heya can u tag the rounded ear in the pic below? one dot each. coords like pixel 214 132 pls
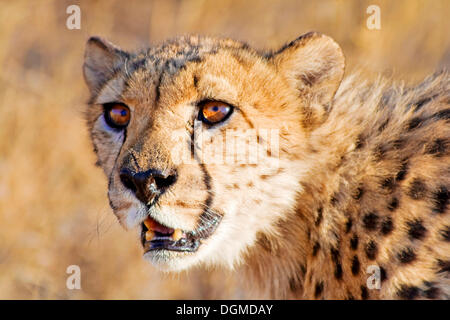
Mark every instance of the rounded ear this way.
pixel 101 61
pixel 313 64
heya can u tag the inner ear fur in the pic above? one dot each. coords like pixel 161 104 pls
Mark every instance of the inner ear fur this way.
pixel 101 61
pixel 313 64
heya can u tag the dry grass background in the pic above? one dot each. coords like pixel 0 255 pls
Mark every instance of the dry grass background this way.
pixel 53 206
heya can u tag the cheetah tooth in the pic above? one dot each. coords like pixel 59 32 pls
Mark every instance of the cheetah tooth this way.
pixel 149 234
pixel 177 234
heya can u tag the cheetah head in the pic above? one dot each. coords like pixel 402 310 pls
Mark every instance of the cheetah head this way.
pixel 204 141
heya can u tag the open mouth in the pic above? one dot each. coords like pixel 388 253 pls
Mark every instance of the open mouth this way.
pixel 155 236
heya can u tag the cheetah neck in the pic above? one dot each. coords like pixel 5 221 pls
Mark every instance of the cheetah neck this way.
pixel 307 239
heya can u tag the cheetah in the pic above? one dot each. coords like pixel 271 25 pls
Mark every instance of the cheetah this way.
pixel 345 197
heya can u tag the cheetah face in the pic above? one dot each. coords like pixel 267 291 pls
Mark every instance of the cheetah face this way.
pixel 203 140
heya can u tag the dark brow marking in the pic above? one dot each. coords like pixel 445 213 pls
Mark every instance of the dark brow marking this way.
pixel 364 293
pixel 157 89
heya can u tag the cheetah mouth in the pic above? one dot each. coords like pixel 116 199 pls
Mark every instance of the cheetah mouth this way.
pixel 156 236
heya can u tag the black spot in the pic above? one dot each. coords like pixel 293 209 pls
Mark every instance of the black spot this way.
pixel 354 242
pixel 417 189
pixel 264 242
pixel 316 249
pixel 355 265
pixel 443 114
pixel 416 230
pixel 406 256
pixel 383 274
pixel 420 103
pixel 387 226
pixel 338 271
pixel 431 292
pixel 348 225
pixel 294 284
pixel 303 269
pixel 383 125
pixel 393 204
pixel 350 296
pixel 334 255
pixel 440 198
pixel 438 147
pixel 334 199
pixel 408 292
pixel 443 265
pixel 157 87
pixel 370 221
pixel 135 65
pixel 195 81
pixel 388 183
pixel 401 174
pixel 446 233
pixel 318 289
pixel 364 293
pixel 371 250
pixel 358 193
pixel 380 152
pixel 360 141
pixel 319 216
pixel 414 123
pixel 398 143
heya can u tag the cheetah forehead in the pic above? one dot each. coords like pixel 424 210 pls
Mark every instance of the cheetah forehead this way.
pixel 174 54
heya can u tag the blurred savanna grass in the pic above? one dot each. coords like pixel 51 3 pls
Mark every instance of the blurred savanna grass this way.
pixel 53 206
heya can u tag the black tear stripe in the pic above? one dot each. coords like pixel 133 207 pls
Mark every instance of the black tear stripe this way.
pixel 114 168
pixel 208 216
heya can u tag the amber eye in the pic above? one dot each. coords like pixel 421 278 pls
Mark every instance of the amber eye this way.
pixel 212 112
pixel 117 115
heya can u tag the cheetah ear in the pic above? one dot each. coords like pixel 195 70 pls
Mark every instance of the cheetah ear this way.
pixel 313 64
pixel 101 61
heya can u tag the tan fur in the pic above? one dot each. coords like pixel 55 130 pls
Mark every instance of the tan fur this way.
pixel 362 174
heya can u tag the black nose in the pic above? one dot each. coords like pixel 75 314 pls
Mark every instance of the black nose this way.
pixel 146 185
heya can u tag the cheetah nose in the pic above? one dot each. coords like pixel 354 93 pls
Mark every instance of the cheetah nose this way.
pixel 146 185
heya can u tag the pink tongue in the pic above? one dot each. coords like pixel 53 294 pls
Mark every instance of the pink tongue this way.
pixel 162 229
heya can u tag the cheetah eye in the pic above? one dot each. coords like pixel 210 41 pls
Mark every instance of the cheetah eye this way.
pixel 212 112
pixel 117 115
